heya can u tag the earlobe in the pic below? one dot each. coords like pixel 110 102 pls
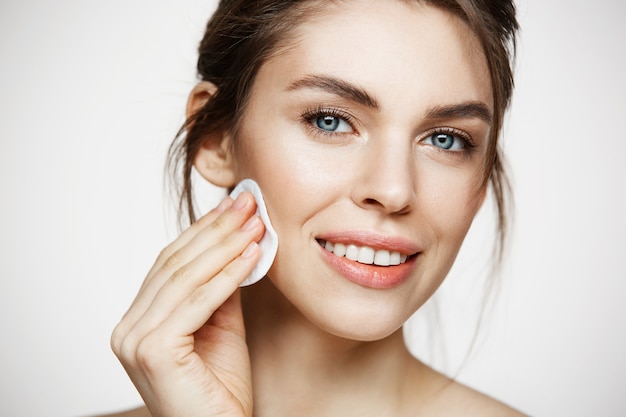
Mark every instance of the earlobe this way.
pixel 213 159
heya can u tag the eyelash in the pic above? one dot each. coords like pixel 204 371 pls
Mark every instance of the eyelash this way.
pixel 468 144
pixel 309 117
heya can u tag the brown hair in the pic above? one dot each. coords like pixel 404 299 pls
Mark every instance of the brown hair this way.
pixel 243 34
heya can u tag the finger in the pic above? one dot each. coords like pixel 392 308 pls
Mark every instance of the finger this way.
pixel 229 316
pixel 205 268
pixel 230 220
pixel 188 234
pixel 204 301
pixel 207 236
pixel 230 217
pixel 170 251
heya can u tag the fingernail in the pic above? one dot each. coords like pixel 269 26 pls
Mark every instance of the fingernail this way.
pixel 240 202
pixel 251 224
pixel 250 250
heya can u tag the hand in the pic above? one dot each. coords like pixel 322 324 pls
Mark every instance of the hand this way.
pixel 182 341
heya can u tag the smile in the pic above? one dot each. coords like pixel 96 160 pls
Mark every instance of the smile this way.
pixel 364 254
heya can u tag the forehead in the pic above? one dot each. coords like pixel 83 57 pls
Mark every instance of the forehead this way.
pixel 390 48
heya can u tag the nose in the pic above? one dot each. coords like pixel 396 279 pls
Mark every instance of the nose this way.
pixel 386 180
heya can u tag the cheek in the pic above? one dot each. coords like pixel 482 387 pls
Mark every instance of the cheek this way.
pixel 286 173
pixel 288 166
pixel 450 200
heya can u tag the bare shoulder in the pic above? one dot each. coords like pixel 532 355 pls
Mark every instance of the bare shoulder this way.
pixel 462 400
pixel 136 412
pixel 451 398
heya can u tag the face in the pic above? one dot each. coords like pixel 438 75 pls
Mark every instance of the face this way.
pixel 368 135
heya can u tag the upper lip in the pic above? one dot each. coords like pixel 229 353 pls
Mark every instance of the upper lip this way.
pixel 375 241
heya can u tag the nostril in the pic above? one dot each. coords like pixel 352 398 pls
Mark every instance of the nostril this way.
pixel 373 202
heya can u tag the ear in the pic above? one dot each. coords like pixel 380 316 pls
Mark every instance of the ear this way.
pixel 213 160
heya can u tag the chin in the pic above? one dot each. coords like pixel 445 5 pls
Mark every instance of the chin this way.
pixel 359 321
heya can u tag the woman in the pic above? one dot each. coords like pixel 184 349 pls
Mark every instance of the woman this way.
pixel 371 128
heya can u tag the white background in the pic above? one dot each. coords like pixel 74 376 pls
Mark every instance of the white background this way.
pixel 92 92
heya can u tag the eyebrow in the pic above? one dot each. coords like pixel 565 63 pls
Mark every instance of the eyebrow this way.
pixel 337 87
pixel 344 89
pixel 467 110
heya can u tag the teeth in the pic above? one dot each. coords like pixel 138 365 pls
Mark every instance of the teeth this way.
pixel 382 257
pixel 365 254
pixel 340 250
pixel 394 259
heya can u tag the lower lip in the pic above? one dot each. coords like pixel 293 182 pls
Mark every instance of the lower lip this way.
pixel 370 276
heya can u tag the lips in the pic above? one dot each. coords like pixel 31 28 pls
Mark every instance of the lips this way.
pixel 370 260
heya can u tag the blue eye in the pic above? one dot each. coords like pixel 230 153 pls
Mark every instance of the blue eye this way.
pixel 333 124
pixel 446 141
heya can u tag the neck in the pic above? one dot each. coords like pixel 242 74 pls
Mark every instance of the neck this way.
pixel 298 367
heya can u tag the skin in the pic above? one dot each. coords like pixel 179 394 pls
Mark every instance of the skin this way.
pixel 315 342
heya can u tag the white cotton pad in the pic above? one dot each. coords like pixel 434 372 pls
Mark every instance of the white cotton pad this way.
pixel 269 241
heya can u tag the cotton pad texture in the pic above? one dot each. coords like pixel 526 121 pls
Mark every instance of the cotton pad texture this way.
pixel 269 241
